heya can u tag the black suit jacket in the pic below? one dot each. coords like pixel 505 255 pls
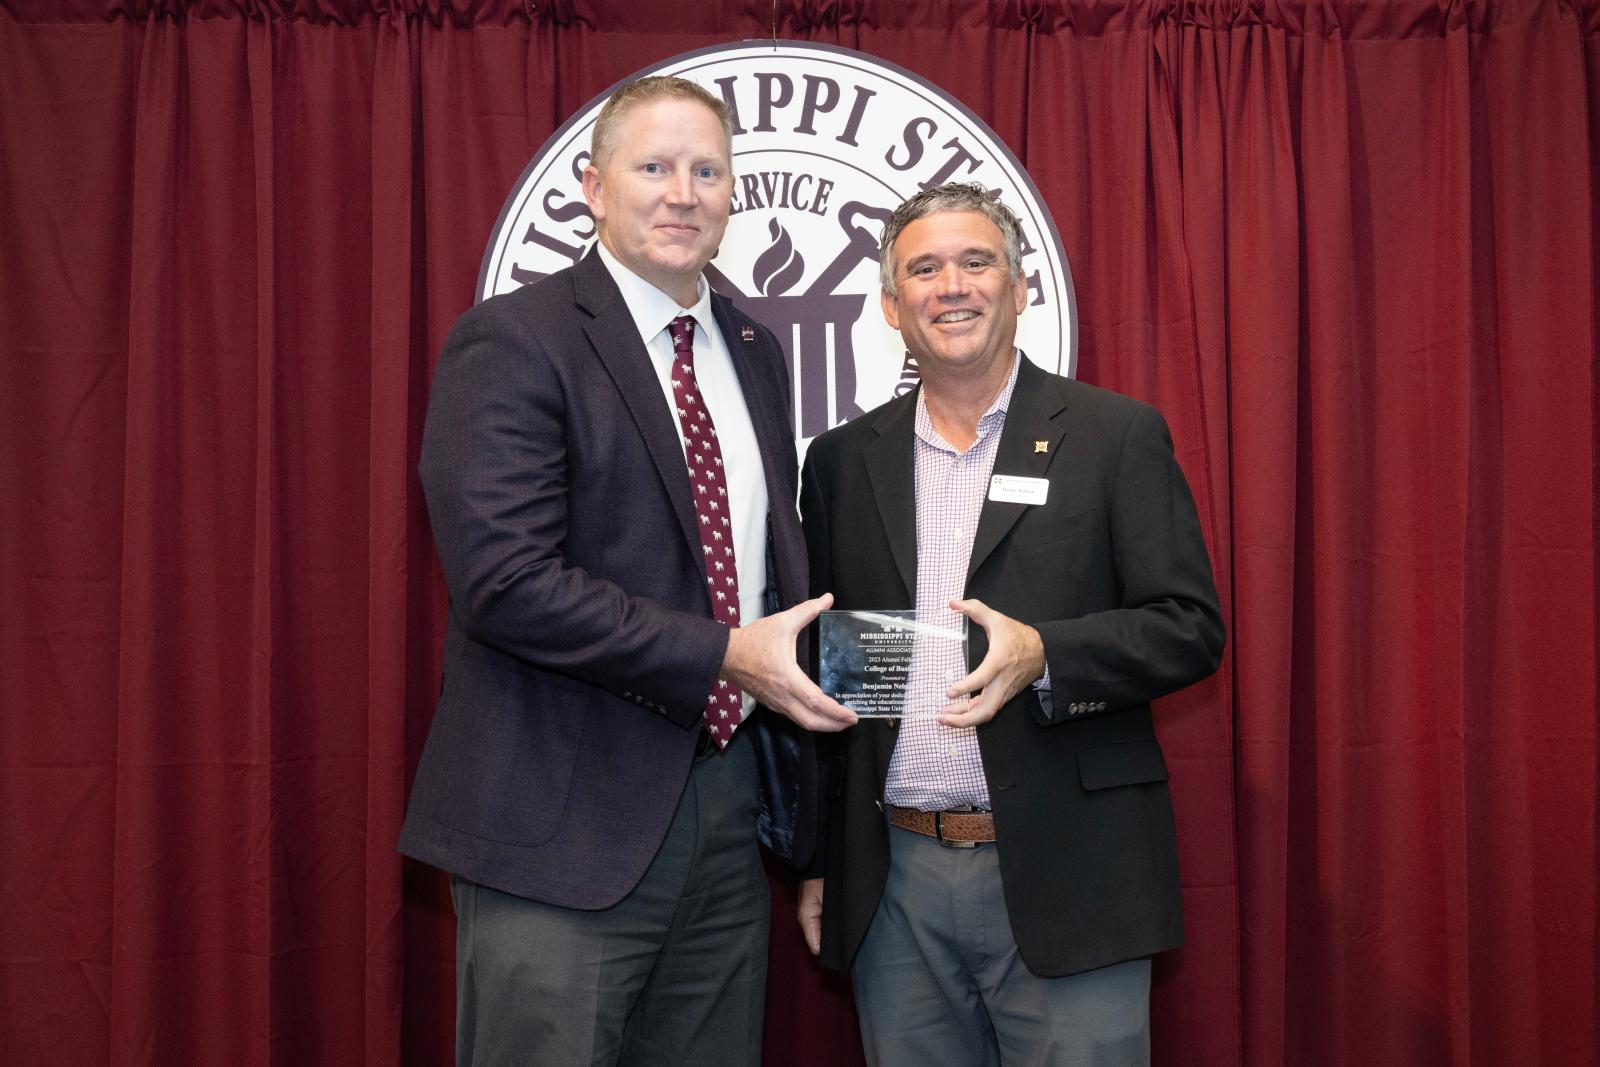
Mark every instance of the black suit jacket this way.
pixel 580 646
pixel 1113 572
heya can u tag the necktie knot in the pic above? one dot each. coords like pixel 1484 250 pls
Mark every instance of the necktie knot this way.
pixel 682 331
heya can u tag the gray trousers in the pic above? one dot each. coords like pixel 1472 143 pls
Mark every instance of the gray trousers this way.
pixel 939 980
pixel 675 973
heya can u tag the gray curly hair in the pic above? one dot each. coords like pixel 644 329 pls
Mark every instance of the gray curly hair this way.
pixel 952 196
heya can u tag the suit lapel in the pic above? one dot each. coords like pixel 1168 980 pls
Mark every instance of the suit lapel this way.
pixel 1030 420
pixel 766 401
pixel 891 470
pixel 761 395
pixel 611 331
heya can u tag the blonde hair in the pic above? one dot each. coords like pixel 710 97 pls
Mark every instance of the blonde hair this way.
pixel 608 126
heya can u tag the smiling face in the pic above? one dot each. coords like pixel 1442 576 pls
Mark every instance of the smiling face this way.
pixel 661 197
pixel 956 304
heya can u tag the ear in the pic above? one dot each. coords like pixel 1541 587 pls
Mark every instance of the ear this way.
pixel 1019 292
pixel 891 309
pixel 594 192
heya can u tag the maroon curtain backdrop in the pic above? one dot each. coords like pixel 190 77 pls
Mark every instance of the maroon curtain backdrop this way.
pixel 1349 248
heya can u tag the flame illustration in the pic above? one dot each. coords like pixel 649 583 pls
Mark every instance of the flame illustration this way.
pixel 780 266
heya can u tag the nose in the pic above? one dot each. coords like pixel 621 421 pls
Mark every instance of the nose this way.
pixel 951 281
pixel 681 190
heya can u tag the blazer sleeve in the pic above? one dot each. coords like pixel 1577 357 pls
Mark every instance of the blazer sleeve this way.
pixel 1167 631
pixel 819 555
pixel 814 521
pixel 495 471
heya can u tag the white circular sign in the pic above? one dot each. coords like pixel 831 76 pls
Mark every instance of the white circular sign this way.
pixel 827 142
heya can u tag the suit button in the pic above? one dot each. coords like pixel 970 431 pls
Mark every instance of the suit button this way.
pixel 1101 706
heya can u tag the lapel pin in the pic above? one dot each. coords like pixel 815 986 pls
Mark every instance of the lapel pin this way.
pixel 1041 446
pixel 748 333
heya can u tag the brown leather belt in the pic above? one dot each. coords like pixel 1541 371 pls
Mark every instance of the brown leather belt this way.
pixel 963 828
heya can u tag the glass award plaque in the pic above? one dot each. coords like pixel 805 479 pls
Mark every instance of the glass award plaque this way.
pixel 864 657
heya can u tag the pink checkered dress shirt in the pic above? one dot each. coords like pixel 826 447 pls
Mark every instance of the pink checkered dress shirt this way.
pixel 937 767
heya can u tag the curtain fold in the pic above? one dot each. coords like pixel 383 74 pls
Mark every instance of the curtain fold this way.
pixel 1349 249
pixel 398 371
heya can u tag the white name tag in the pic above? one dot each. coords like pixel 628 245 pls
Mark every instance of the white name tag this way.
pixel 1015 489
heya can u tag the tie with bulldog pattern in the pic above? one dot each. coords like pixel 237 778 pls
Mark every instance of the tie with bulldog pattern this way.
pixel 708 482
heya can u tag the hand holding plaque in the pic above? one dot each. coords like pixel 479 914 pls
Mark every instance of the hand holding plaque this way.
pixel 865 657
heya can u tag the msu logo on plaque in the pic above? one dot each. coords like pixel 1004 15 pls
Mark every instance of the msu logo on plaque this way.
pixel 827 141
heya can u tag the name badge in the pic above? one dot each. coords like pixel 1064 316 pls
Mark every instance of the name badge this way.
pixel 1015 489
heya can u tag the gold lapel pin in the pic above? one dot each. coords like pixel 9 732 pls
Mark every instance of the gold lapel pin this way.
pixel 748 333
pixel 1041 446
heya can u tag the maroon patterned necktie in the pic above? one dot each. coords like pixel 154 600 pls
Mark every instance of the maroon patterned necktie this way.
pixel 711 507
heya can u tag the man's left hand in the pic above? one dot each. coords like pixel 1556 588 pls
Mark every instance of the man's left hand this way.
pixel 1014 661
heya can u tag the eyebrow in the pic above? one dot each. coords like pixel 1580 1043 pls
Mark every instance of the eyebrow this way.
pixel 985 254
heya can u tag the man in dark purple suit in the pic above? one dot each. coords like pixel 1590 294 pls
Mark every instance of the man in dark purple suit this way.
pixel 610 475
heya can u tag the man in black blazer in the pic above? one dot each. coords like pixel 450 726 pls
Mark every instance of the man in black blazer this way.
pixel 999 865
pixel 610 475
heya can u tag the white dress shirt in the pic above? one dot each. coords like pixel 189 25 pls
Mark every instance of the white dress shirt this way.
pixel 652 311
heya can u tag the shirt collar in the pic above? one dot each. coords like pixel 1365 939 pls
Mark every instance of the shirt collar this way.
pixel 650 308
pixel 988 422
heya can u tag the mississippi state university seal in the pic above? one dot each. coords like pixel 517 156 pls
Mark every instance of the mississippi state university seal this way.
pixel 827 141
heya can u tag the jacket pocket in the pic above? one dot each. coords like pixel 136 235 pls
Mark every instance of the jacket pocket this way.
pixel 1045 530
pixel 1129 763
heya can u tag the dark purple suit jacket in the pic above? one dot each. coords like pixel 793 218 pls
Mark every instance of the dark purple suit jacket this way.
pixel 580 645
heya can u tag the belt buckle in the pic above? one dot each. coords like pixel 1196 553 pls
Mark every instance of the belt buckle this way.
pixel 938 829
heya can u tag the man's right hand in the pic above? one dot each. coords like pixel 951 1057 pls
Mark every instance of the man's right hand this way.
pixel 809 912
pixel 760 660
